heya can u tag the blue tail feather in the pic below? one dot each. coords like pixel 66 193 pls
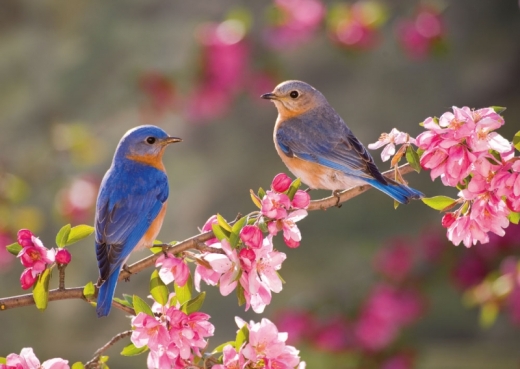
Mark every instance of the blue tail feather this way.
pixel 106 294
pixel 397 191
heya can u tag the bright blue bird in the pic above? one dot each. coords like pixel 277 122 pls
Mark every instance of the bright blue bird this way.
pixel 317 146
pixel 131 205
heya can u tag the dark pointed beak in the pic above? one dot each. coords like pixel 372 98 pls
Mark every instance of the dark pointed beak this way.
pixel 269 96
pixel 170 140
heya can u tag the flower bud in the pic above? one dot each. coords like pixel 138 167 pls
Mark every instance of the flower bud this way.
pixel 63 257
pixel 301 200
pixel 448 219
pixel 281 182
pixel 252 236
pixel 247 257
pixel 25 238
pixel 27 279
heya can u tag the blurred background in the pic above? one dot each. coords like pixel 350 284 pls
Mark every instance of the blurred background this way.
pixel 75 76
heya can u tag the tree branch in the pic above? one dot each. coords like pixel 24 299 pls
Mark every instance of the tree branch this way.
pixel 193 243
pixel 94 363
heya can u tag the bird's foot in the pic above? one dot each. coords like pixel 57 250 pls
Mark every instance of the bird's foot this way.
pixel 336 194
pixel 127 269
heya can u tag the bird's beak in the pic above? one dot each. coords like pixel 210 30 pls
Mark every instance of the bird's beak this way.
pixel 170 140
pixel 269 96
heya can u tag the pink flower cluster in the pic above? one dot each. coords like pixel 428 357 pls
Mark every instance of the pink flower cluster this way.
pixel 28 360
pixel 389 140
pixel 173 337
pixel 464 151
pixel 253 265
pixel 356 26
pixel 172 269
pixel 36 258
pixel 265 348
pixel 295 24
pixel 419 36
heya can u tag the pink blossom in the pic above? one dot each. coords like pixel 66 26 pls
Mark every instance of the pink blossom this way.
pixel 247 259
pixel 291 232
pixel 37 256
pixel 484 139
pixel 208 227
pixel 268 262
pixel 63 256
pixel 188 332
pixel 231 359
pixel 301 200
pixel 147 330
pixel 25 238
pixel 228 267
pixel 466 230
pixel 256 293
pixel 172 269
pixel 281 182
pixel 275 205
pixel 264 341
pixel 395 261
pixel 389 140
pixel 209 276
pixel 56 363
pixel 28 278
pixel 28 360
pixel 251 236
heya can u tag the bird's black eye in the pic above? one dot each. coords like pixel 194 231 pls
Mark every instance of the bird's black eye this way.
pixel 294 94
pixel 150 140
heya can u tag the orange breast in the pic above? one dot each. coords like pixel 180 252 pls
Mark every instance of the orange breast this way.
pixel 153 231
pixel 152 160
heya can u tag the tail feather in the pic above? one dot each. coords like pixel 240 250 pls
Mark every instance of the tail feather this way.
pixel 397 191
pixel 106 295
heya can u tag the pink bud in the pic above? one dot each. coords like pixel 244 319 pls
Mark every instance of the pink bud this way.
pixel 207 227
pixel 247 257
pixel 63 256
pixel 27 279
pixel 251 236
pixel 25 237
pixel 448 219
pixel 301 200
pixel 291 243
pixel 281 182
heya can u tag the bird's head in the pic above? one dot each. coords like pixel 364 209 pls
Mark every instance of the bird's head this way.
pixel 144 144
pixel 295 97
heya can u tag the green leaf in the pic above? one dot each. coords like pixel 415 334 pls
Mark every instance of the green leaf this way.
pixel 219 232
pixel 488 314
pixel 124 302
pixel 413 159
pixel 242 336
pixel 89 290
pixel 514 217
pixel 183 293
pixel 156 249
pixel 196 303
pixel 78 365
pixel 14 248
pixel 261 193
pixel 235 231
pixel 140 306
pixel 255 199
pixel 63 236
pixel 223 223
pixel 158 289
pixel 131 350
pixel 41 290
pixel 3 360
pixel 396 204
pixel 516 141
pixel 220 348
pixel 498 109
pixel 78 233
pixel 293 188
pixel 240 295
pixel 439 202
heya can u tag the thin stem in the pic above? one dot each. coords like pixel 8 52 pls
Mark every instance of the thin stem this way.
pixel 94 363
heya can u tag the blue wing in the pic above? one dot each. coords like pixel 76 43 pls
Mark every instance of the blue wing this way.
pixel 321 136
pixel 128 202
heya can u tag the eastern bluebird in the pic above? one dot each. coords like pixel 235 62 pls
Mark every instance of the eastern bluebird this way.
pixel 131 205
pixel 317 146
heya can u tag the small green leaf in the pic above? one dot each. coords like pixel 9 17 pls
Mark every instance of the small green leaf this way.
pixel 516 141
pixel 255 199
pixel 14 248
pixel 242 336
pixel 131 350
pixel 223 223
pixel 78 233
pixel 78 365
pixel 220 348
pixel 514 217
pixel 261 193
pixel 235 231
pixel 156 249
pixel 219 232
pixel 158 289
pixel 3 360
pixel 41 290
pixel 240 295
pixel 413 159
pixel 196 303
pixel 439 202
pixel 140 306
pixel 124 302
pixel 63 236
pixel 396 204
pixel 293 188
pixel 183 293
pixel 89 290
pixel 488 314
pixel 498 109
